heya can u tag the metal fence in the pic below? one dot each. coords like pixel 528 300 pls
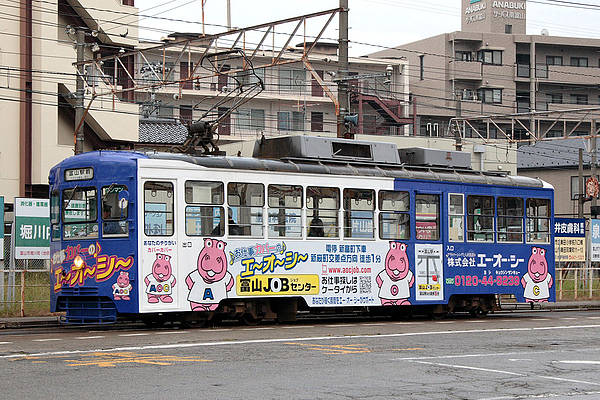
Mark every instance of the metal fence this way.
pixel 24 288
pixel 577 283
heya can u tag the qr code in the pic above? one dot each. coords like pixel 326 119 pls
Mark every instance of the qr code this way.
pixel 365 284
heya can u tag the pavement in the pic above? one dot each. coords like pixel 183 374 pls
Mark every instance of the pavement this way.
pixel 583 305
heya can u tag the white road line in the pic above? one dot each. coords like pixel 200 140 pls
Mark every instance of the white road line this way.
pixel 593 317
pixel 256 329
pixel 298 327
pixel 220 330
pixel 408 323
pixel 542 396
pixel 89 337
pixel 5 342
pixel 540 319
pixel 299 339
pixel 579 362
pixel 374 324
pixel 46 340
pixel 445 322
pixel 568 318
pixel 478 321
pixel 133 334
pixel 554 378
pixel 171 332
pixel 339 325
pixel 487 355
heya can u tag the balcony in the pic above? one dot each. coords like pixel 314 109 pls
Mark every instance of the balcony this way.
pixel 566 74
pixel 465 70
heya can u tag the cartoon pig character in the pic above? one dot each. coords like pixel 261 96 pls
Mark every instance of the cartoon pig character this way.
pixel 122 288
pixel 537 282
pixel 396 280
pixel 159 284
pixel 211 281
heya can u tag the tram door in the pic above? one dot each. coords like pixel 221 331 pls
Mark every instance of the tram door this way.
pixel 429 261
pixel 158 266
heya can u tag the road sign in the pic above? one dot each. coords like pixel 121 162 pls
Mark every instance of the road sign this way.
pixel 569 239
pixel 595 240
pixel 32 228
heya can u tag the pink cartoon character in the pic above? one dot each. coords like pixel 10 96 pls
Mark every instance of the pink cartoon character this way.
pixel 159 284
pixel 210 282
pixel 537 282
pixel 396 280
pixel 122 288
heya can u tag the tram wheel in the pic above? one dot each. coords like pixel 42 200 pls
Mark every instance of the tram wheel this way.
pixel 154 321
pixel 478 312
pixel 250 319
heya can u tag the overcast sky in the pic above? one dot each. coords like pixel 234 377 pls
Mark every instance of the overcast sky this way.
pixel 376 22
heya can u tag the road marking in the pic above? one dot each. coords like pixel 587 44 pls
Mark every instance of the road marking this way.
pixel 408 349
pixel 5 342
pixel 445 322
pixel 133 334
pixel 374 324
pixel 171 332
pixel 220 330
pixel 340 325
pixel 408 323
pixel 334 348
pixel 519 359
pixel 579 362
pixel 47 340
pixel 256 329
pixel 97 359
pixel 89 337
pixel 541 319
pixel 593 317
pixel 544 396
pixel 304 339
pixel 455 366
pixel 298 327
pixel 478 321
pixel 568 318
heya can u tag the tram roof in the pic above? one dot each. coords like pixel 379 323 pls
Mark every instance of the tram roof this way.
pixel 338 167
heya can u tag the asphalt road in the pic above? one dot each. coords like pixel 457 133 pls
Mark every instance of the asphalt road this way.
pixel 505 356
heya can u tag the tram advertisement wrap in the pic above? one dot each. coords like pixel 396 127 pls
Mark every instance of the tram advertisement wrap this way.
pixel 202 273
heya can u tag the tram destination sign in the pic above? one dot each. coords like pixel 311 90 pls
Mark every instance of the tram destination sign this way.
pixel 32 228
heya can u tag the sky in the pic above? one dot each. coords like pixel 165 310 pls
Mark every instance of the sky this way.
pixel 376 23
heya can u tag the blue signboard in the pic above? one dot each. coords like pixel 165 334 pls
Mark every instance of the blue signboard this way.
pixel 569 227
pixel 595 240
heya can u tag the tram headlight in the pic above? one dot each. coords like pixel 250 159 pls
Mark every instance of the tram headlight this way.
pixel 78 261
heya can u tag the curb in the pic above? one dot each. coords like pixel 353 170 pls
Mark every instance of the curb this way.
pixel 29 322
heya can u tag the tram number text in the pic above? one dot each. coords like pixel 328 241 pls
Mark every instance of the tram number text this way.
pixel 474 280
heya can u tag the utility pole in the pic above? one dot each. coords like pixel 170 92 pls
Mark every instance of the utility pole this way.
pixel 581 189
pixel 594 156
pixel 229 15
pixel 343 70
pixel 79 93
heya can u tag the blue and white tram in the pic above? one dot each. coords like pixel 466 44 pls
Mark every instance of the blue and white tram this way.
pixel 175 235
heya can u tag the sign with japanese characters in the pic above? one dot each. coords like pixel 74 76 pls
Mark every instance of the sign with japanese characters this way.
pixel 595 240
pixel 32 228
pixel 429 269
pixel 1 227
pixel 569 239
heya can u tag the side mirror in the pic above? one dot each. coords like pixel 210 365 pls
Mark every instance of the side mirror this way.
pixel 123 199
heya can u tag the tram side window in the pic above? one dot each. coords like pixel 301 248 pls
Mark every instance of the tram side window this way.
pixel 285 211
pixel 246 202
pixel 359 210
pixel 114 219
pixel 206 216
pixel 158 209
pixel 55 215
pixel 538 221
pixel 510 219
pixel 322 205
pixel 456 217
pixel 394 215
pixel 427 216
pixel 480 218
pixel 80 213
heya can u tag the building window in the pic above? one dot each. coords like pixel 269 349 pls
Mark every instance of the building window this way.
pixel 579 62
pixel 297 121
pixel 463 55
pixel 185 114
pixel 292 80
pixel 249 77
pixel 508 29
pixel 253 120
pixel 555 98
pixel 579 99
pixel 493 96
pixel 554 60
pixel 490 57
pixel 480 218
pixel 316 121
pixel 283 121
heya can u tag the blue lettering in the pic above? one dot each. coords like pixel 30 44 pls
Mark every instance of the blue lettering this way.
pixel 152 288
pixel 208 294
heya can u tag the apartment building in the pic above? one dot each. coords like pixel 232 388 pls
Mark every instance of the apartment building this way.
pixel 492 67
pixel 38 83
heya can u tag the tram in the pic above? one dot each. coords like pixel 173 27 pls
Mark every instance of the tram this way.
pixel 307 223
